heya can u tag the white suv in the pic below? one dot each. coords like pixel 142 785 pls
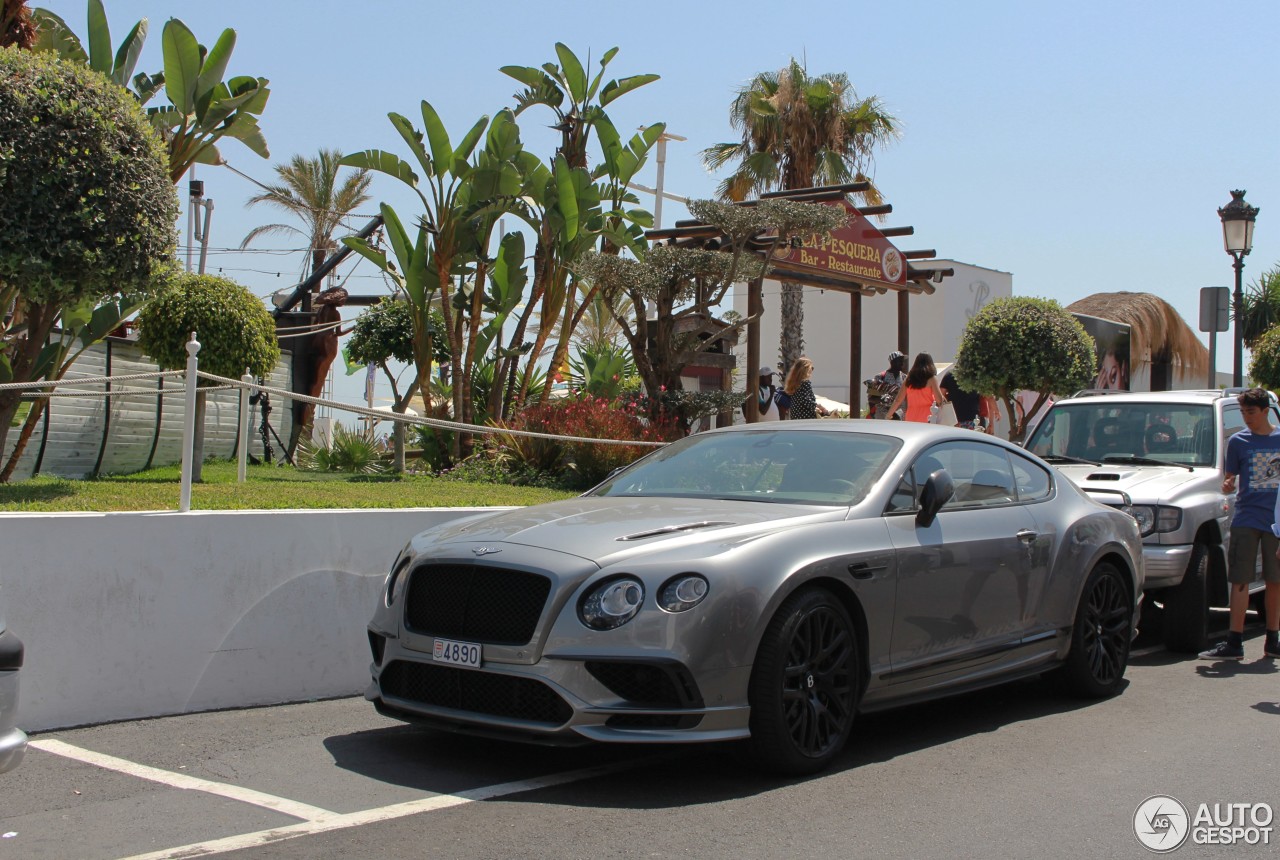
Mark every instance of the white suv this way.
pixel 1158 455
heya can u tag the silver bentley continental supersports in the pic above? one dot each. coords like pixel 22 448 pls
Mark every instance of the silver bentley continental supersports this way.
pixel 760 582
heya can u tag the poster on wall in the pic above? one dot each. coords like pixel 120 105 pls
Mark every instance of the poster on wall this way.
pixel 1111 343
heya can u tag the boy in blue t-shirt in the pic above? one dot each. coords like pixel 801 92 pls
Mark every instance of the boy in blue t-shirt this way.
pixel 1253 455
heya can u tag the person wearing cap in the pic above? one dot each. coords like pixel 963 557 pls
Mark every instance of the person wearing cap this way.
pixel 883 388
pixel 766 397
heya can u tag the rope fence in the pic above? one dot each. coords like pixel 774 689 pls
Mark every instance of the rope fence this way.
pixel 248 386
pixel 436 423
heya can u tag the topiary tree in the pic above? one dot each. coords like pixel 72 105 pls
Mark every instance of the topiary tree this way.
pixel 234 329
pixel 385 332
pixel 1022 343
pixel 1264 367
pixel 87 211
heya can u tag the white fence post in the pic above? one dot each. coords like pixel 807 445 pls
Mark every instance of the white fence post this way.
pixel 189 423
pixel 242 469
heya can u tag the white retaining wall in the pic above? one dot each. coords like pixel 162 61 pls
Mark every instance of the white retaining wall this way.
pixel 128 615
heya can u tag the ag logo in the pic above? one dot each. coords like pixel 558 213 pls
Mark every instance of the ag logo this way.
pixel 1161 824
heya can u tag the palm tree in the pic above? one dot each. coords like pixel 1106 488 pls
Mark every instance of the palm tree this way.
pixel 1260 307
pixel 309 189
pixel 798 132
pixel 599 328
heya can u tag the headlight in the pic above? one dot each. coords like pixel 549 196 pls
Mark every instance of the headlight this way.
pixel 612 603
pixel 1155 518
pixel 682 592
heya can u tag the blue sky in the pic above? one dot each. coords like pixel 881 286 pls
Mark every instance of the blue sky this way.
pixel 1084 147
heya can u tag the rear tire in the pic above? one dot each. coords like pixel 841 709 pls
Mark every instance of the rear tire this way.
pixel 1186 607
pixel 804 685
pixel 1100 636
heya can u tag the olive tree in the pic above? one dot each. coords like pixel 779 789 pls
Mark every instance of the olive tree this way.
pixel 234 329
pixel 1021 343
pixel 87 211
pixel 685 285
pixel 385 332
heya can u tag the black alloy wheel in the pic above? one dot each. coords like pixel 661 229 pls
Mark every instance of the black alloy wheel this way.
pixel 1100 639
pixel 804 686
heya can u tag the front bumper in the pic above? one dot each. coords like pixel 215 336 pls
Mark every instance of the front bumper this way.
pixel 1165 565
pixel 562 700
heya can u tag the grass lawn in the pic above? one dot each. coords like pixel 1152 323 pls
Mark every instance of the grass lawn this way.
pixel 267 488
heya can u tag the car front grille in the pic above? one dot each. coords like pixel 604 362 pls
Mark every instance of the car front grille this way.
pixel 474 603
pixel 477 692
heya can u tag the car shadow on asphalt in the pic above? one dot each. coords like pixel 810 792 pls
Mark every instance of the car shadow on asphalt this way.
pixel 675 775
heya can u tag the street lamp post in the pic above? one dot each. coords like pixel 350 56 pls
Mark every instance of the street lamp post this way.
pixel 1237 237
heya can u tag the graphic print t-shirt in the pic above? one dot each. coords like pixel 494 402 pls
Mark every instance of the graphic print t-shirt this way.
pixel 1256 461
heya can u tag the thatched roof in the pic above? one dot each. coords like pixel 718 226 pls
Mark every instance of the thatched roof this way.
pixel 1154 328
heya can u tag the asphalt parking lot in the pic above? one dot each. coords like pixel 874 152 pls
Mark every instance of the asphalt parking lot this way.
pixel 1013 771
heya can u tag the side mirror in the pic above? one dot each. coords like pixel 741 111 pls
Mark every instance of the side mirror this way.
pixel 937 491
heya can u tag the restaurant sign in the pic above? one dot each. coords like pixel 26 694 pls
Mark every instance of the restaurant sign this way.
pixel 857 252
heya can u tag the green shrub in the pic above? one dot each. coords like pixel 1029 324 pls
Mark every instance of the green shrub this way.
pixel 233 326
pixel 86 205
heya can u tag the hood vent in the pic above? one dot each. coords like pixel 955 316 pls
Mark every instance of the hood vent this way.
pixel 666 530
pixel 1104 476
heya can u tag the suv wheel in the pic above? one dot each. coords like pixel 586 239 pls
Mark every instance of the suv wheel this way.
pixel 1186 606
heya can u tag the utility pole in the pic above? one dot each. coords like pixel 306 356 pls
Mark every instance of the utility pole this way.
pixel 658 193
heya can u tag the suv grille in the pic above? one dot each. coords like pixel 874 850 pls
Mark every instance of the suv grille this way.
pixel 478 692
pixel 477 604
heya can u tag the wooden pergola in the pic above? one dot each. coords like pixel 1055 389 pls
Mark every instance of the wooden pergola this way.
pixel 857 259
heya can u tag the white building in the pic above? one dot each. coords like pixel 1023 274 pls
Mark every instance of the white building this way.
pixel 936 324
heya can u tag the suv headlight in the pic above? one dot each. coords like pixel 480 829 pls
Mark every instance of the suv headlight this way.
pixel 1155 518
pixel 612 603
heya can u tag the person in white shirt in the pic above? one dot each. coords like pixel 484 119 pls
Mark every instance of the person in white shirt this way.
pixel 766 396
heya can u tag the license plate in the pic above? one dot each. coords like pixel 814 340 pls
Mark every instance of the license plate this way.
pixel 457 653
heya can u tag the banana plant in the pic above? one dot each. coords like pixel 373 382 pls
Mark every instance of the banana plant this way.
pixel 203 108
pixel 53 34
pixel 577 102
pixel 84 324
pixel 429 262
pixel 410 272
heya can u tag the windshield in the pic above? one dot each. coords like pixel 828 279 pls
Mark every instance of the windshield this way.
pixel 824 468
pixel 1175 433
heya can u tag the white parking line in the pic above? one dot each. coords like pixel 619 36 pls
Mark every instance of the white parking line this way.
pixel 385 813
pixel 182 780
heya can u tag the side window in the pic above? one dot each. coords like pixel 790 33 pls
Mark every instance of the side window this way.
pixel 981 473
pixel 904 496
pixel 1031 481
pixel 1232 423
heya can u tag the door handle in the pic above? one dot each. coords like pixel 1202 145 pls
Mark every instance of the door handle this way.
pixel 1027 535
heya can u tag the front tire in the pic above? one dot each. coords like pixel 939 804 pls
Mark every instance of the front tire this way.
pixel 1094 668
pixel 1186 607
pixel 804 684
